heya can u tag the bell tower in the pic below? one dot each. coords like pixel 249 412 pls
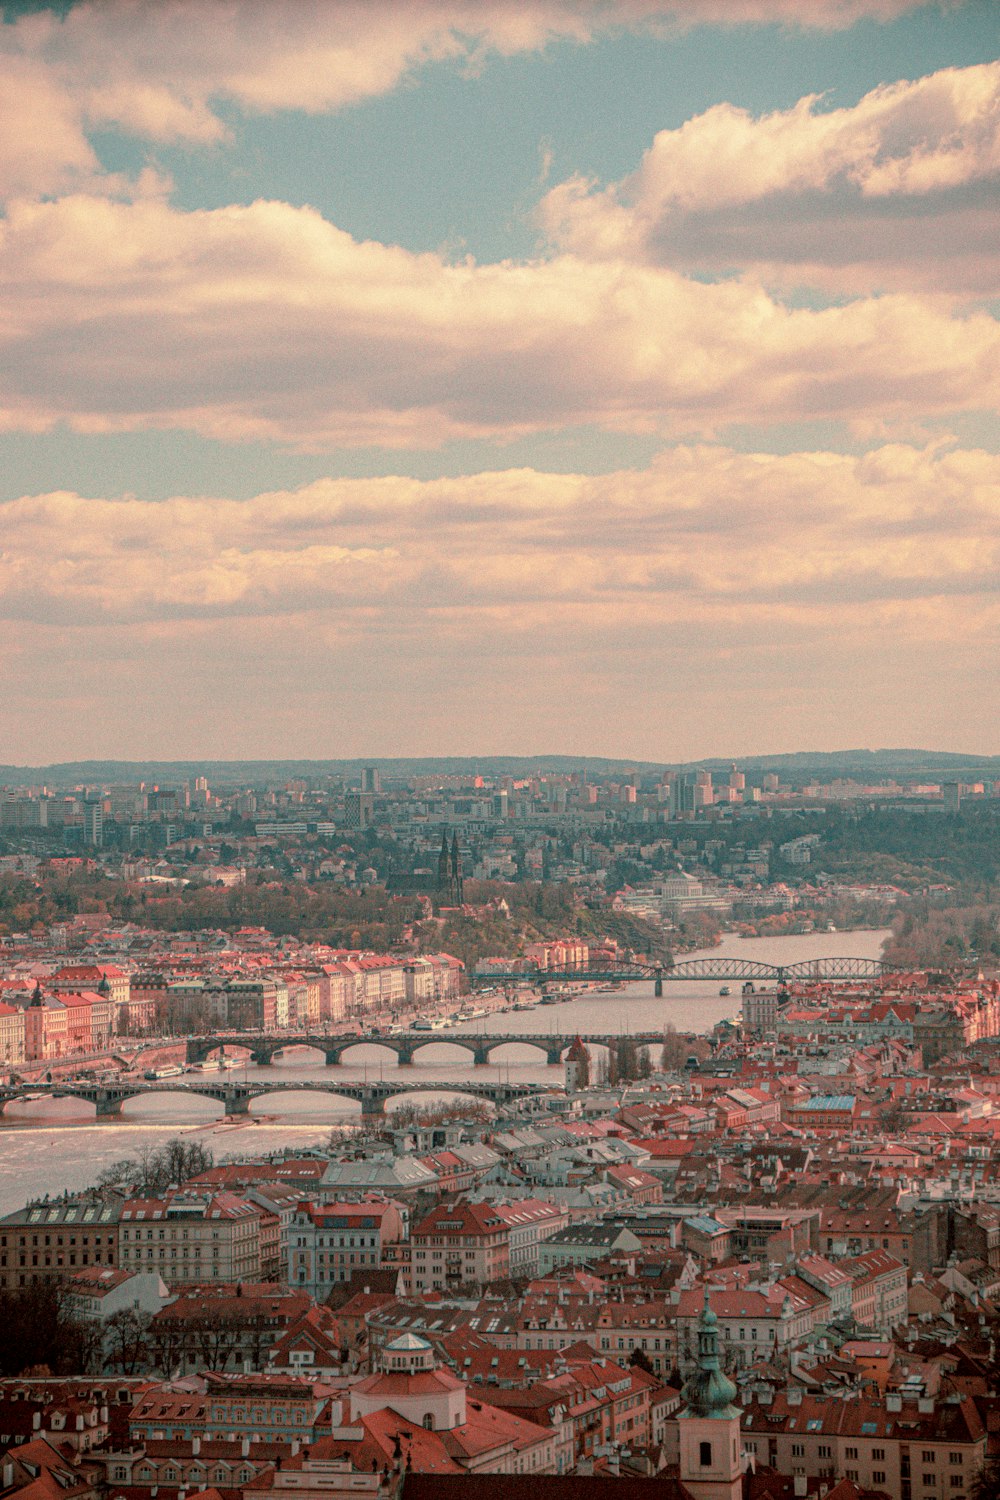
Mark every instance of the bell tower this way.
pixel 444 866
pixel 711 1447
pixel 457 880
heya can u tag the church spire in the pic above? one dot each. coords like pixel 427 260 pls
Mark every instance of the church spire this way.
pixel 444 864
pixel 711 1448
pixel 709 1392
pixel 457 880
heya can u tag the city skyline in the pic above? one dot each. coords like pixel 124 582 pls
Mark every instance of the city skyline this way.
pixel 480 378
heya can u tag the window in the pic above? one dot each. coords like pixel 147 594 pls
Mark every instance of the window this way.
pixel 930 1481
pixel 705 1455
pixel 956 1481
pixel 850 1452
pixel 955 1458
pixel 878 1476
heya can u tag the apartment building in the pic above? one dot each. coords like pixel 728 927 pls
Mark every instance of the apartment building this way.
pixel 920 1449
pixel 879 1292
pixel 460 1244
pixel 190 1236
pixel 530 1222
pixel 329 1242
pixel 11 1036
pixel 54 1239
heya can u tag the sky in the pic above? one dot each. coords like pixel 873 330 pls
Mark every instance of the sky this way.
pixel 498 377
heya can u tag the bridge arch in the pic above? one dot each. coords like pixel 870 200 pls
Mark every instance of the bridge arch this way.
pixel 328 1098
pixel 141 1105
pixel 711 969
pixel 388 1045
pixel 393 1100
pixel 422 1042
pixel 318 1053
pixel 552 1050
pixel 27 1104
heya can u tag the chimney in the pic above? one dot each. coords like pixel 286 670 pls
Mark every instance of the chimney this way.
pixel 801 1485
pixel 196 1445
pixel 245 1448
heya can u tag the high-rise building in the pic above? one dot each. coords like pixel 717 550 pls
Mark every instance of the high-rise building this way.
pixel 359 809
pixel 93 823
pixel 371 780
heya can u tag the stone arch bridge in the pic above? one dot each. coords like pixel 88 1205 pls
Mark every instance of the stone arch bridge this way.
pixel 237 1097
pixel 262 1050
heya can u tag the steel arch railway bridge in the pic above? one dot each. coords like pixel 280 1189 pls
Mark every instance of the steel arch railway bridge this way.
pixel 712 970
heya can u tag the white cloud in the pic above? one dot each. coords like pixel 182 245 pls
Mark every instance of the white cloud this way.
pixel 319 55
pixel 714 598
pixel 267 323
pixel 874 188
pixel 703 530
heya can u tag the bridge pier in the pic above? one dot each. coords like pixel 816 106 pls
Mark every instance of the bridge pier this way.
pixel 109 1105
pixel 371 1104
pixel 332 1055
pixel 481 1057
pixel 263 1057
pixel 553 1056
pixel 658 986
pixel 404 1056
pixel 237 1103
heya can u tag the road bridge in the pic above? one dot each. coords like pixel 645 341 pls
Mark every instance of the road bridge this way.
pixel 262 1050
pixel 237 1097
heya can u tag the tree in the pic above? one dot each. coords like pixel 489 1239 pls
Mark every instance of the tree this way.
pixel 640 1359
pixel 157 1168
pixel 126 1341
pixel 41 1329
pixel 672 1051
pixel 986 1482
pixel 583 1069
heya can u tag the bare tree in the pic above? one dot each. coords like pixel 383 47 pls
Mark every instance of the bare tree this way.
pixel 126 1341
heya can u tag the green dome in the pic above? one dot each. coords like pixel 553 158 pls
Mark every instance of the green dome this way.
pixel 709 1392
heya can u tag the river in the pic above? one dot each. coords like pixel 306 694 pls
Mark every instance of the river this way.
pixel 48 1146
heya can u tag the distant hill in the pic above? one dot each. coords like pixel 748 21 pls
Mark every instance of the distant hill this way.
pixel 798 768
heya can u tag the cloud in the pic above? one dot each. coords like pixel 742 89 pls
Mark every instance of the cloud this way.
pixel 266 322
pixel 703 529
pixel 810 595
pixel 899 187
pixel 162 70
pixel 316 56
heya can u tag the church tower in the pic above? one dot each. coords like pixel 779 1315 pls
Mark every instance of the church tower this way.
pixel 711 1457
pixel 444 866
pixel 457 881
